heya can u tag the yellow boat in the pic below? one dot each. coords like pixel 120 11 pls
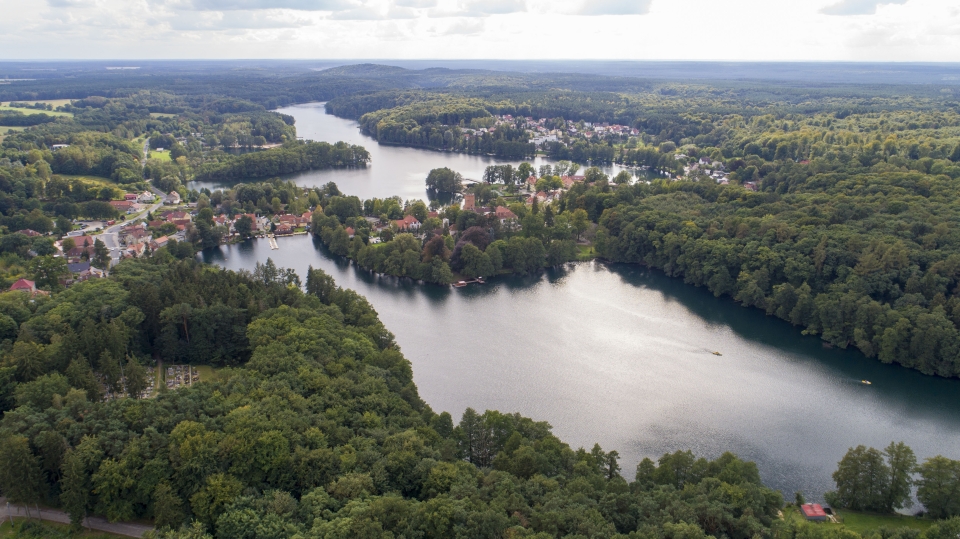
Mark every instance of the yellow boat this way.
pixel 866 382
pixel 717 353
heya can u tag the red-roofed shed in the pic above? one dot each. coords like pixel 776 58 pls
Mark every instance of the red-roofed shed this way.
pixel 813 511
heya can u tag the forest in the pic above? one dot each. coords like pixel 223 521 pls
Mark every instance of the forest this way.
pixel 312 428
pixel 315 430
pixel 292 157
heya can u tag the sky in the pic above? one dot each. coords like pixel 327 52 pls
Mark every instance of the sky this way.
pixel 751 30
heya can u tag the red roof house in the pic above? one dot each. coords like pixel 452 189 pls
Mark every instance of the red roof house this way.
pixel 813 511
pixel 25 285
pixel 408 223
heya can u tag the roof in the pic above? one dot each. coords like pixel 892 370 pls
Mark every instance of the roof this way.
pixel 78 267
pixel 28 232
pixel 813 510
pixel 24 284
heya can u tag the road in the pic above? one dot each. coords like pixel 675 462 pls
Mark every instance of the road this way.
pixel 127 529
pixel 110 235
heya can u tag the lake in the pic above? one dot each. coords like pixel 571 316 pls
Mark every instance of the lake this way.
pixel 622 355
pixel 393 170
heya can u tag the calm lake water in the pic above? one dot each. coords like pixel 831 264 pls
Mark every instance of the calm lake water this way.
pixel 621 355
pixel 392 171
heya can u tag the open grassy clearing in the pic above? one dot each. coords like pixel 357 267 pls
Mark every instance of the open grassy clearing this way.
pixel 97 181
pixel 207 373
pixel 6 107
pixel 162 115
pixel 864 523
pixel 162 156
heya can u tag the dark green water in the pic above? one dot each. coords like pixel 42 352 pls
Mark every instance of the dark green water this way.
pixel 620 355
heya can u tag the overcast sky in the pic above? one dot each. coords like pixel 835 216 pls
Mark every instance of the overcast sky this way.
pixel 867 30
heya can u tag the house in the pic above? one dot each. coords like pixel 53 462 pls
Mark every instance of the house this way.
pixel 132 197
pixel 145 197
pixel 173 198
pixel 469 202
pixel 125 206
pixel 25 286
pixel 84 241
pixel 137 249
pixel 174 215
pixel 351 232
pixel 283 229
pixel 814 512
pixel 78 267
pixel 568 181
pixel 29 233
pixel 134 235
pixel 159 242
pixel 409 223
pixel 504 214
pixel 56 147
pixel 531 181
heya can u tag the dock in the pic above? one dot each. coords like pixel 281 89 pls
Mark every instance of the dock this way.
pixel 461 284
pixel 273 243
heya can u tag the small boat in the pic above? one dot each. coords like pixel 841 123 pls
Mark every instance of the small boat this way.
pixel 460 284
pixel 866 382
pixel 716 353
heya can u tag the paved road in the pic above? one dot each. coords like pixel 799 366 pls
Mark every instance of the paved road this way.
pixel 110 235
pixel 126 529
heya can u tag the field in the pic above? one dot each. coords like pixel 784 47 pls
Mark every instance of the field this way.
pixel 162 115
pixel 4 131
pixel 207 373
pixel 56 103
pixel 864 523
pixel 96 181
pixel 162 156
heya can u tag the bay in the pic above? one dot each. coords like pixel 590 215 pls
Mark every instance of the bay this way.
pixel 621 355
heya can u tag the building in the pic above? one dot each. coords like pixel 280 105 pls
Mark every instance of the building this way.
pixel 29 233
pixel 469 202
pixel 125 206
pixel 25 286
pixel 173 198
pixel 814 512
pixel 504 214
pixel 408 224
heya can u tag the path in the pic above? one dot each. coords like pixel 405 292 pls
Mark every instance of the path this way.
pixel 127 529
pixel 109 236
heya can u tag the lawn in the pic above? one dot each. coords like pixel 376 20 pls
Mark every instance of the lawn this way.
pixel 4 131
pixel 6 107
pixel 207 373
pixel 865 522
pixel 95 181
pixel 587 252
pixel 162 156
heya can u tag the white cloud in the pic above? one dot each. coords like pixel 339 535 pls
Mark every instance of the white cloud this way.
pixel 236 20
pixel 370 13
pixel 887 30
pixel 302 5
pixel 858 7
pixel 615 7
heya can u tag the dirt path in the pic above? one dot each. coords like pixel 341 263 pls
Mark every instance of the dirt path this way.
pixel 55 515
